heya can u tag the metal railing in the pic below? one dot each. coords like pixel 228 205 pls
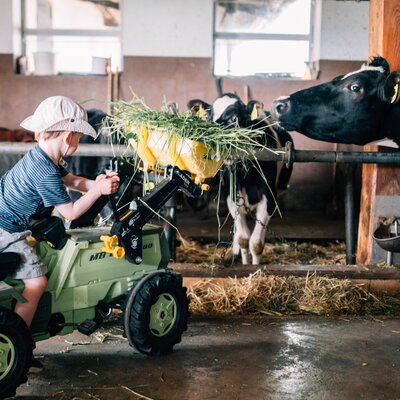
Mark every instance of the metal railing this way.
pixel 287 155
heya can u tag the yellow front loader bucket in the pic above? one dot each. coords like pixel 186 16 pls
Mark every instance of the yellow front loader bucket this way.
pixel 159 148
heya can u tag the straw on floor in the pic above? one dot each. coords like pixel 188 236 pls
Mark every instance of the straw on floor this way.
pixel 260 294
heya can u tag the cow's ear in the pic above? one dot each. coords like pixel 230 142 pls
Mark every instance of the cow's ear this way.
pixel 391 92
pixel 200 108
pixel 254 109
pixel 196 103
pixel 379 61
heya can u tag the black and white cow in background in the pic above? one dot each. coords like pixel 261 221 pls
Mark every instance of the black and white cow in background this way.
pixel 255 193
pixel 357 108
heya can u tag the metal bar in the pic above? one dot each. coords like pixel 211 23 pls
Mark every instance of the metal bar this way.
pixel 260 36
pixel 349 175
pixel 169 230
pixel 73 32
pixel 367 157
pixel 88 150
pixel 284 155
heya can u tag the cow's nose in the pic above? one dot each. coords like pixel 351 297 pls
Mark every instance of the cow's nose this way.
pixel 281 106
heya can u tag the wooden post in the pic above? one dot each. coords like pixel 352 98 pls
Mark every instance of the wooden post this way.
pixel 110 90
pixel 380 193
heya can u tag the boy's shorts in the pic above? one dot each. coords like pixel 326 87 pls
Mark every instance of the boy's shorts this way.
pixel 30 266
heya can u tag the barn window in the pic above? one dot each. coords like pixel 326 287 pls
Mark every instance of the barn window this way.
pixel 271 38
pixel 70 36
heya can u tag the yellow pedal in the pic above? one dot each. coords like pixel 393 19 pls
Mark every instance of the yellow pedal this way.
pixel 111 246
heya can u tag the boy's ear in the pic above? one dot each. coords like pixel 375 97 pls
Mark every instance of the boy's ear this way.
pixel 67 137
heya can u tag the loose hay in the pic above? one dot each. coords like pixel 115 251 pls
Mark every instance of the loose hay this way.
pixel 274 295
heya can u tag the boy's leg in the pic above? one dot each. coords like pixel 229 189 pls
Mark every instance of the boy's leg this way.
pixel 34 288
pixel 31 270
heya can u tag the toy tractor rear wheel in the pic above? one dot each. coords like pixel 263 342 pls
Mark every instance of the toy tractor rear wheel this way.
pixel 156 313
pixel 16 347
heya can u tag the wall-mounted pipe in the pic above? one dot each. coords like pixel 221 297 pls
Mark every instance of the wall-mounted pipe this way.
pixel 290 155
pixel 87 150
pixel 287 155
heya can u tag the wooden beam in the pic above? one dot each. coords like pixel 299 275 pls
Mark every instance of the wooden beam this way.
pixel 240 271
pixel 379 180
pixel 379 281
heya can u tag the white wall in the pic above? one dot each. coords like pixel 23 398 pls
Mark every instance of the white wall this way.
pixel 344 30
pixel 167 28
pixel 183 28
pixel 6 27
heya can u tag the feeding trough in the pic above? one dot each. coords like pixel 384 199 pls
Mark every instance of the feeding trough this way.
pixel 387 236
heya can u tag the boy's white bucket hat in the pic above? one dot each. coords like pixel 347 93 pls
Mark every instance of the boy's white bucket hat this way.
pixel 59 113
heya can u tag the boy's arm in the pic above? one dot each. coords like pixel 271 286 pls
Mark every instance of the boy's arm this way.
pixel 81 184
pixel 104 186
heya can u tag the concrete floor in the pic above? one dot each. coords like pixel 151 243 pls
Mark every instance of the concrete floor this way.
pixel 230 358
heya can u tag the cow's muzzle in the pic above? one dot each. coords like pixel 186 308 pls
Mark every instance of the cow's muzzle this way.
pixel 281 107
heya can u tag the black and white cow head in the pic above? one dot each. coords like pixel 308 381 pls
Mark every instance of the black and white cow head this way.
pixel 228 109
pixel 357 108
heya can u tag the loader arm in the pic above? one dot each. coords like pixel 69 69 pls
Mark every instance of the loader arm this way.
pixel 128 227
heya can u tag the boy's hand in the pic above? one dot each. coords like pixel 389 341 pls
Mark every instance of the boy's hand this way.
pixel 104 176
pixel 103 185
pixel 107 183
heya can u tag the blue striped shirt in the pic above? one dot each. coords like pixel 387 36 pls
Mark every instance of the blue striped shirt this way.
pixel 33 183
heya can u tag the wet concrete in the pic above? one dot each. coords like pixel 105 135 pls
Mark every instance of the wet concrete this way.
pixel 230 358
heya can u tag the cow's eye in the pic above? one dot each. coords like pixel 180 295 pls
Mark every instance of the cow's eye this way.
pixel 355 87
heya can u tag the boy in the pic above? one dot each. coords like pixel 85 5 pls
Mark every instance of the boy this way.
pixel 39 180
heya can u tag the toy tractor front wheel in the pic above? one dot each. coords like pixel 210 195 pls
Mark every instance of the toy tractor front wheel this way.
pixel 16 347
pixel 156 314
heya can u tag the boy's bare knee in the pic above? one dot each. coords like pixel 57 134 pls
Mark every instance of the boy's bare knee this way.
pixel 37 284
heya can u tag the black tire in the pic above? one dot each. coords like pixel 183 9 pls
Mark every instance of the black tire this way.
pixel 16 347
pixel 156 313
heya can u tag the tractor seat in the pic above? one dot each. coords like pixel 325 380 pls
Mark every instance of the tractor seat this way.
pixel 8 263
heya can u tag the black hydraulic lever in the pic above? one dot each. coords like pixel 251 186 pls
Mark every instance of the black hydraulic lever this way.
pixel 114 208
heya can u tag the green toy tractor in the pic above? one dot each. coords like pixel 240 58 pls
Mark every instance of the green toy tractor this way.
pixel 90 272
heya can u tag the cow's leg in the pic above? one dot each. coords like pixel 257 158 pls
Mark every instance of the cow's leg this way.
pixel 257 238
pixel 242 231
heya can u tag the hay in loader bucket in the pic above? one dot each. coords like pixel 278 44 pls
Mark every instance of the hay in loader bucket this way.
pixel 166 137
